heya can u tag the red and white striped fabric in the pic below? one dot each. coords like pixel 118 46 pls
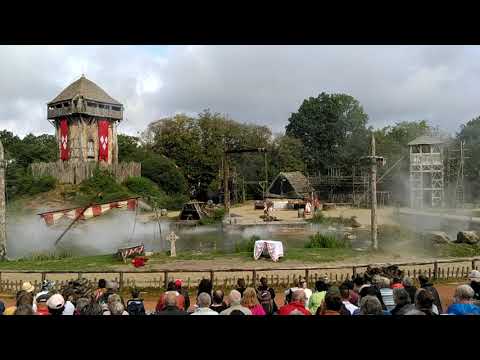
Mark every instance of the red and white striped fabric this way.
pixel 93 211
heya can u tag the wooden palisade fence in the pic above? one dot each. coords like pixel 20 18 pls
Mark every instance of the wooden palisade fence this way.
pixel 438 270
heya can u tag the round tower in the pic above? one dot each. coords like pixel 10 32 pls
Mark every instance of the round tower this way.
pixel 85 118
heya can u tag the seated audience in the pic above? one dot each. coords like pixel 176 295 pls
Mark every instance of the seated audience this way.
pixel 250 301
pixel 235 299
pixel 427 285
pixel 296 305
pixel 410 287
pixel 135 305
pixel 402 302
pixel 346 296
pixel 317 297
pixel 218 304
pixel 171 307
pixel 463 302
pixel 203 305
pixel 266 300
pixel 56 305
pixel 424 301
pixel 370 305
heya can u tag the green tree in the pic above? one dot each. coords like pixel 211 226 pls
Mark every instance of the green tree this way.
pixel 286 155
pixel 164 173
pixel 470 133
pixel 332 128
pixel 130 148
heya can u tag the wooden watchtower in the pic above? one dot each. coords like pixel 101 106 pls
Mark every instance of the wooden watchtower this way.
pixel 85 118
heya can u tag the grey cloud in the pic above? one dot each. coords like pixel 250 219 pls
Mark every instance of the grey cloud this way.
pixel 260 84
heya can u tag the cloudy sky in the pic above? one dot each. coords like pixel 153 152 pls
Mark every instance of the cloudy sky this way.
pixel 259 84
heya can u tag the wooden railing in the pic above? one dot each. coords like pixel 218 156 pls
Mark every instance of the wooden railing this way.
pixel 435 270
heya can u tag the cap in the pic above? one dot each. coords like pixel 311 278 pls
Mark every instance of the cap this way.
pixel 474 276
pixel 56 301
pixel 42 297
pixel 178 283
pixel 28 287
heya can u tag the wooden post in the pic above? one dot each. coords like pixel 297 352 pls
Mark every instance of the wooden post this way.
pixel 354 272
pixel 211 277
pixel 254 280
pixel 165 279
pixel 373 184
pixel 43 277
pixel 79 275
pixel 120 282
pixel 3 230
pixel 226 193
pixel 306 276
pixel 473 264
pixel 435 270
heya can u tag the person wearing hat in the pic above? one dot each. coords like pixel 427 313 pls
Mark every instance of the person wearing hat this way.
pixel 56 304
pixel 28 287
pixel 42 308
pixel 47 287
pixel 474 278
pixel 23 298
pixel 2 307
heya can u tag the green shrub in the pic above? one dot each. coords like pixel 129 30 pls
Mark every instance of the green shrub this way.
pixel 102 187
pixel 143 187
pixel 45 256
pixel 248 245
pixel 164 173
pixel 319 218
pixel 324 241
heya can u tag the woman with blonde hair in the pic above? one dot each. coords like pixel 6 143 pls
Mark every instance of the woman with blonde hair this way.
pixel 250 301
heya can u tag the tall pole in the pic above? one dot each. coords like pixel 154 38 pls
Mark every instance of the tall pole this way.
pixel 226 191
pixel 266 177
pixel 373 185
pixel 3 230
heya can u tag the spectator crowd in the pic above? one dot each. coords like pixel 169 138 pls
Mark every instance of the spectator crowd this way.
pixel 364 295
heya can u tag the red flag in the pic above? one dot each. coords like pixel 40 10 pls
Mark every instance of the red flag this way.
pixel 103 140
pixel 64 155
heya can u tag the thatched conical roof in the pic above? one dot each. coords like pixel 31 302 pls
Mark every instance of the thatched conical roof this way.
pixel 86 88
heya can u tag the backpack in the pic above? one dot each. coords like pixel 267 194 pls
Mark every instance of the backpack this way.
pixel 135 307
pixel 265 299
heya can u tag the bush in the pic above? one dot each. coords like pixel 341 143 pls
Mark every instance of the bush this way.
pixel 324 241
pixel 319 218
pixel 21 182
pixel 164 173
pixel 102 187
pixel 248 245
pixel 143 187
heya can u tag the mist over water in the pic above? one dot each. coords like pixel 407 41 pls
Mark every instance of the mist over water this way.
pixel 28 234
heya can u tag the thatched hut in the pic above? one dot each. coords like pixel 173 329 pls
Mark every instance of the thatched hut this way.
pixel 290 185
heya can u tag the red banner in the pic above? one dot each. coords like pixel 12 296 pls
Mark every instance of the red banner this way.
pixel 103 140
pixel 64 153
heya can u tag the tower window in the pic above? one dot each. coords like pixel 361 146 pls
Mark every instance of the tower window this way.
pixel 90 149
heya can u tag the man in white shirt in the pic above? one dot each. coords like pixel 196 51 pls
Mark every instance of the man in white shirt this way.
pixel 204 301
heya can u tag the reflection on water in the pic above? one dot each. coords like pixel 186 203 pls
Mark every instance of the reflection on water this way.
pixel 105 234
